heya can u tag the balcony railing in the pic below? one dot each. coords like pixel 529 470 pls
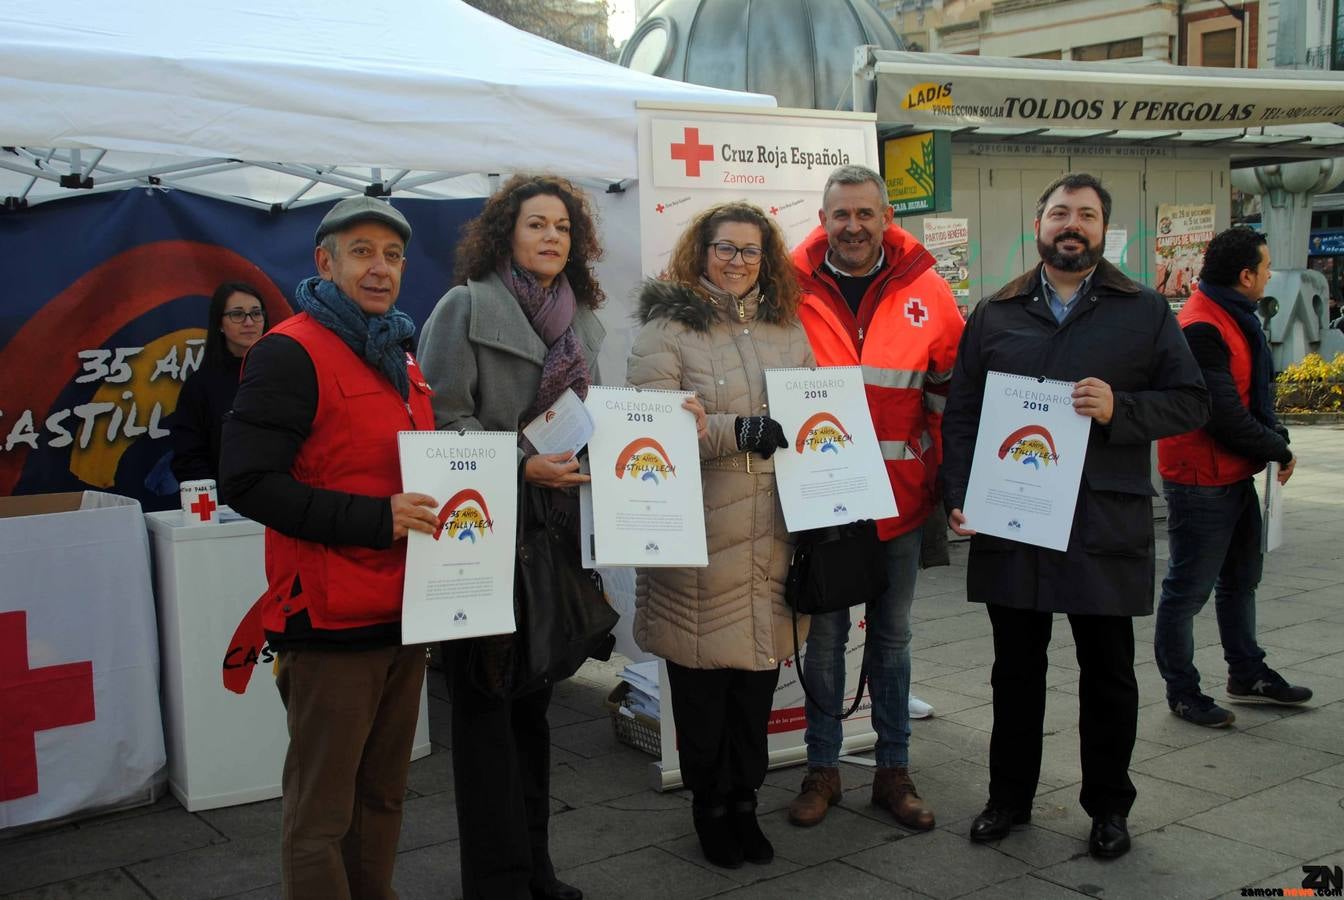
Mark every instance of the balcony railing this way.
pixel 1324 57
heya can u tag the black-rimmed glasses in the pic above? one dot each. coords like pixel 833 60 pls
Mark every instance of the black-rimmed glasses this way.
pixel 236 316
pixel 726 251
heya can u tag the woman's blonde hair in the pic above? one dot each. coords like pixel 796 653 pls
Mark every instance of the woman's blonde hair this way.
pixel 777 281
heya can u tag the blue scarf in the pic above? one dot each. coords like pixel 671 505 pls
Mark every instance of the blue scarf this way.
pixel 375 339
pixel 1242 312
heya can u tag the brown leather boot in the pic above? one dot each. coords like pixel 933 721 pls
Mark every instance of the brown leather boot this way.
pixel 895 792
pixel 820 791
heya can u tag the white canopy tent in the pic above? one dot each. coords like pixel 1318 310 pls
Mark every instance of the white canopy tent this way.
pixel 279 104
pixel 266 102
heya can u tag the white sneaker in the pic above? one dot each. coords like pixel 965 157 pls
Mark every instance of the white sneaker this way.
pixel 919 709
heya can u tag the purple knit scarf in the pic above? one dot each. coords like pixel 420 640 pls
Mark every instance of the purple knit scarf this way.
pixel 551 311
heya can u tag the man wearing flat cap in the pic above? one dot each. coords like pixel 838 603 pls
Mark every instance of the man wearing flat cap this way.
pixel 310 451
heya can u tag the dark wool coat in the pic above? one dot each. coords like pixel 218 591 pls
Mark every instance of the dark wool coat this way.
pixel 1127 336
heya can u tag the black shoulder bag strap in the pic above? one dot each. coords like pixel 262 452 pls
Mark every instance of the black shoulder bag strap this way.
pixel 802 679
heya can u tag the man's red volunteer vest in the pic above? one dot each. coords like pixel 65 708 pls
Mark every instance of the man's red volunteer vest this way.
pixel 352 448
pixel 907 349
pixel 1195 457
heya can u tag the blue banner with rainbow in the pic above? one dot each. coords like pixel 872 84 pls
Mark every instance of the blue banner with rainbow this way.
pixel 103 317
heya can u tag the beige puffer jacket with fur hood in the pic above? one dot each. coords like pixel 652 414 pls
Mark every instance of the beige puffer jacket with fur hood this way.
pixel 731 614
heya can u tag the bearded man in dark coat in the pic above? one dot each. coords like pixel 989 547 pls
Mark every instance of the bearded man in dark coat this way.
pixel 1073 318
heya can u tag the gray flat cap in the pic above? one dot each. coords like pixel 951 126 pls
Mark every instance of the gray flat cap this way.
pixel 362 209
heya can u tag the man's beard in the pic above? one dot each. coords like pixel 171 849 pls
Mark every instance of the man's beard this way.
pixel 1067 262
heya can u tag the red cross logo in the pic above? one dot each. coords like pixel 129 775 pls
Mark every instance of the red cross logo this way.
pixel 863 624
pixel 915 312
pixel 660 207
pixel 33 700
pixel 788 663
pixel 204 507
pixel 692 152
pixel 774 210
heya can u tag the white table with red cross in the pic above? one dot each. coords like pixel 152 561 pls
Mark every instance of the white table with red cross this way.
pixel 223 720
pixel 37 698
pixel 80 724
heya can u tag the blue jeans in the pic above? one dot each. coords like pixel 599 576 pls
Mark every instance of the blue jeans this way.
pixel 886 653
pixel 1214 542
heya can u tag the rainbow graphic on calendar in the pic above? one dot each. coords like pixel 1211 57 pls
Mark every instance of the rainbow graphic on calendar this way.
pixel 1030 445
pixel 645 459
pixel 465 517
pixel 822 433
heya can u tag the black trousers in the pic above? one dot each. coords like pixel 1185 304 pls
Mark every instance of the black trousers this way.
pixel 502 777
pixel 1108 699
pixel 721 717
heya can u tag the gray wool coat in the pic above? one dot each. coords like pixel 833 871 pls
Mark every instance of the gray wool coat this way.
pixel 483 359
pixel 731 615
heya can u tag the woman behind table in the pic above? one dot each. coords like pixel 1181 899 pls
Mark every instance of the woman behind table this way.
pixel 726 311
pixel 237 321
pixel 498 350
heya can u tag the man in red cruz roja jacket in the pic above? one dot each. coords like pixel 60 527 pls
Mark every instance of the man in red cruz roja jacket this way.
pixel 871 298
pixel 310 451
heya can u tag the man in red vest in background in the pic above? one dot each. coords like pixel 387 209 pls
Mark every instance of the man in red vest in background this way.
pixel 1213 513
pixel 310 451
pixel 871 298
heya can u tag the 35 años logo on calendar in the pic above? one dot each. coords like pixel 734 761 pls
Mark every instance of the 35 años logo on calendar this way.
pixel 1030 445
pixel 645 460
pixel 822 433
pixel 465 517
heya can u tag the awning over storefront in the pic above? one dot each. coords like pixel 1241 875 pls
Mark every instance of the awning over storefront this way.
pixel 981 98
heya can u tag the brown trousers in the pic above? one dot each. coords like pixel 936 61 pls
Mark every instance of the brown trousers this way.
pixel 352 717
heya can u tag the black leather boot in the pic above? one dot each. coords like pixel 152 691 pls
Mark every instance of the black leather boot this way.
pixel 718 841
pixel 756 847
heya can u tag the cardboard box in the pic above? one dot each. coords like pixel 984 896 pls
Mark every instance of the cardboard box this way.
pixel 79 657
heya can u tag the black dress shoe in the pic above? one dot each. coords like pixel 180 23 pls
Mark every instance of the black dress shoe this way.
pixel 996 821
pixel 556 890
pixel 1109 838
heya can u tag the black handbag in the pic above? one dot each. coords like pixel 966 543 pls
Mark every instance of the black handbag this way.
pixel 832 569
pixel 836 567
pixel 561 612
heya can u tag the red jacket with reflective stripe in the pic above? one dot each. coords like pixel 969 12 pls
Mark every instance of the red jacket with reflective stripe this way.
pixel 1195 457
pixel 352 448
pixel 911 327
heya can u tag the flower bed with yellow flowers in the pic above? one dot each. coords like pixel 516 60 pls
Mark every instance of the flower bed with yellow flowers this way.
pixel 1311 386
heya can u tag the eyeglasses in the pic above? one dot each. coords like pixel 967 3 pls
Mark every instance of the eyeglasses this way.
pixel 726 251
pixel 236 316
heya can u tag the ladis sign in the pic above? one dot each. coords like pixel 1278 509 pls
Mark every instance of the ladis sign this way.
pixel 928 89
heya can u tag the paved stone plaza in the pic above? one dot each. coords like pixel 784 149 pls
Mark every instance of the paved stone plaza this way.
pixel 1217 810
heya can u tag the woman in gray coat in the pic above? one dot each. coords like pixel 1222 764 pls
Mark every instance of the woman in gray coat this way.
pixel 498 350
pixel 725 311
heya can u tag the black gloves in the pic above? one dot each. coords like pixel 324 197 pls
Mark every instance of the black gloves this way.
pixel 759 433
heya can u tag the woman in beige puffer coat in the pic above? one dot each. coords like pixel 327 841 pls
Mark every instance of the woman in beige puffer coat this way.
pixel 726 312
